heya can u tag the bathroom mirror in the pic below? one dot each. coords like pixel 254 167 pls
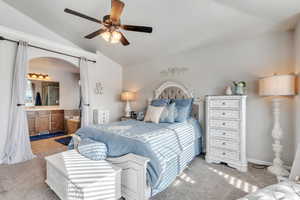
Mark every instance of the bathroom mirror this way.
pixel 42 93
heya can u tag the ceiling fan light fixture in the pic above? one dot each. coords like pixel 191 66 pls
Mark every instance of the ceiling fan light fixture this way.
pixel 116 37
pixel 106 36
pixel 112 37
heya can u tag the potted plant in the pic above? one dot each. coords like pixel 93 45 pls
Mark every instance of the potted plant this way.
pixel 239 87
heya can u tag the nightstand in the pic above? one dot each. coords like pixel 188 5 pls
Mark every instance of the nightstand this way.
pixel 126 118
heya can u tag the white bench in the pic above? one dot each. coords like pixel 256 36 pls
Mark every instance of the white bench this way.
pixel 74 177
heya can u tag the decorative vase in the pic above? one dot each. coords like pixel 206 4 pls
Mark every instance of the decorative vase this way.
pixel 228 90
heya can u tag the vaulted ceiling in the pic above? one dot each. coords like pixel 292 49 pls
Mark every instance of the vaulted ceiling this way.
pixel 178 25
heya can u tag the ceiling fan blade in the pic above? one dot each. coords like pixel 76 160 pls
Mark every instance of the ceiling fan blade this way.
pixel 96 33
pixel 73 12
pixel 144 29
pixel 123 40
pixel 117 7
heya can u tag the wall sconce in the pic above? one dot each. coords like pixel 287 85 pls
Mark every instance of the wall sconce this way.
pixel 38 76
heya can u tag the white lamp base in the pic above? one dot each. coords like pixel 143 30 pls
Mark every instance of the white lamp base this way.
pixel 277 167
pixel 127 109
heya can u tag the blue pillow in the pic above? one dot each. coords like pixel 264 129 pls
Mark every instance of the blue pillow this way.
pixel 183 109
pixel 160 102
pixel 92 149
pixel 168 114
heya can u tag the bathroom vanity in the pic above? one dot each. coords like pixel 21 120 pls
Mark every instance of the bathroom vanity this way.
pixel 45 120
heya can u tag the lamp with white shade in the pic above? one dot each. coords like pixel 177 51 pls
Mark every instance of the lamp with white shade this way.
pixel 127 97
pixel 277 86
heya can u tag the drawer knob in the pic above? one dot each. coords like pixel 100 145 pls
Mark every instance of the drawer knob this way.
pixel 223 123
pixel 224 103
pixel 223 113
pixel 223 153
pixel 224 133
pixel 224 143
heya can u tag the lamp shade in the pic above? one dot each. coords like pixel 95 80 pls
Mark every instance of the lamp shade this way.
pixel 128 96
pixel 277 85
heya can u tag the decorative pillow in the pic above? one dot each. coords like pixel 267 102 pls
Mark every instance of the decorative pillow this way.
pixel 160 102
pixel 92 149
pixel 153 114
pixel 168 114
pixel 181 114
pixel 183 109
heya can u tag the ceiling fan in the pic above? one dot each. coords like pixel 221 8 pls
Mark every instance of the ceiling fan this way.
pixel 112 24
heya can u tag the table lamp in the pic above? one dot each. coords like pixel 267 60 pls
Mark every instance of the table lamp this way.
pixel 277 86
pixel 128 96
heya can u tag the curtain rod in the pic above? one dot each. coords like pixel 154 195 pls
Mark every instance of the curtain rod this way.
pixel 37 47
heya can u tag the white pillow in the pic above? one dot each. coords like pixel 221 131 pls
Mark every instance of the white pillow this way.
pixel 153 114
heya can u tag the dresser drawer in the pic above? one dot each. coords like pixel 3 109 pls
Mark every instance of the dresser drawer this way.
pixel 230 145
pixel 232 135
pixel 225 124
pixel 227 114
pixel 224 103
pixel 232 155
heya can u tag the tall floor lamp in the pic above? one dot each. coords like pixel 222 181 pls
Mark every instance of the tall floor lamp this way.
pixel 277 86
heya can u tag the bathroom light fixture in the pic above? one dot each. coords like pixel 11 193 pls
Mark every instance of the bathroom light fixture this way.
pixel 38 76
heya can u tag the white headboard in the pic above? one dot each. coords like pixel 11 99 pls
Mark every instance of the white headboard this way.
pixel 174 90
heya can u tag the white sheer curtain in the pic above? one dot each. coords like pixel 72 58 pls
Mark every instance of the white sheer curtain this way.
pixel 17 147
pixel 84 83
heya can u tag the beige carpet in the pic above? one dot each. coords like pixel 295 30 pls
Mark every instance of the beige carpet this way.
pixel 201 181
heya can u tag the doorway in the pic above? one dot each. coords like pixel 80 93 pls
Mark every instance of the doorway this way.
pixel 52 103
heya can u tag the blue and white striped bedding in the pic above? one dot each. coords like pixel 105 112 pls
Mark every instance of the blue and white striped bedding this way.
pixel 92 149
pixel 170 147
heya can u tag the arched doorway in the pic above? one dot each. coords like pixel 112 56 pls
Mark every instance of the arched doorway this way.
pixel 52 102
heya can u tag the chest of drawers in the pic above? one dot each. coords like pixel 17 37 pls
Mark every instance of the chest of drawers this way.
pixel 226 131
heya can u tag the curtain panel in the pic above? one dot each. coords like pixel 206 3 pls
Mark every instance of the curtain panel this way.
pixel 17 147
pixel 84 85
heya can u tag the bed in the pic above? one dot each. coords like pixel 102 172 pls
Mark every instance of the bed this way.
pixel 150 155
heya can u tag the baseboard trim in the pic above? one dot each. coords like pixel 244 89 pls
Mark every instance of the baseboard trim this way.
pixel 259 162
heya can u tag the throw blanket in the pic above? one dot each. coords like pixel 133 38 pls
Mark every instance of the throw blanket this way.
pixel 281 191
pixel 92 149
pixel 163 143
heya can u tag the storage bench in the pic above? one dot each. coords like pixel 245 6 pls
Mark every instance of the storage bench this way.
pixel 74 177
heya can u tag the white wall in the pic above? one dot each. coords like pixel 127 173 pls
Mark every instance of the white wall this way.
pixel 12 18
pixel 7 59
pixel 109 73
pixel 211 68
pixel 297 69
pixel 59 71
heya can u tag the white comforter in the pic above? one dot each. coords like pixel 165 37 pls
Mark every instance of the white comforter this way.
pixel 282 191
